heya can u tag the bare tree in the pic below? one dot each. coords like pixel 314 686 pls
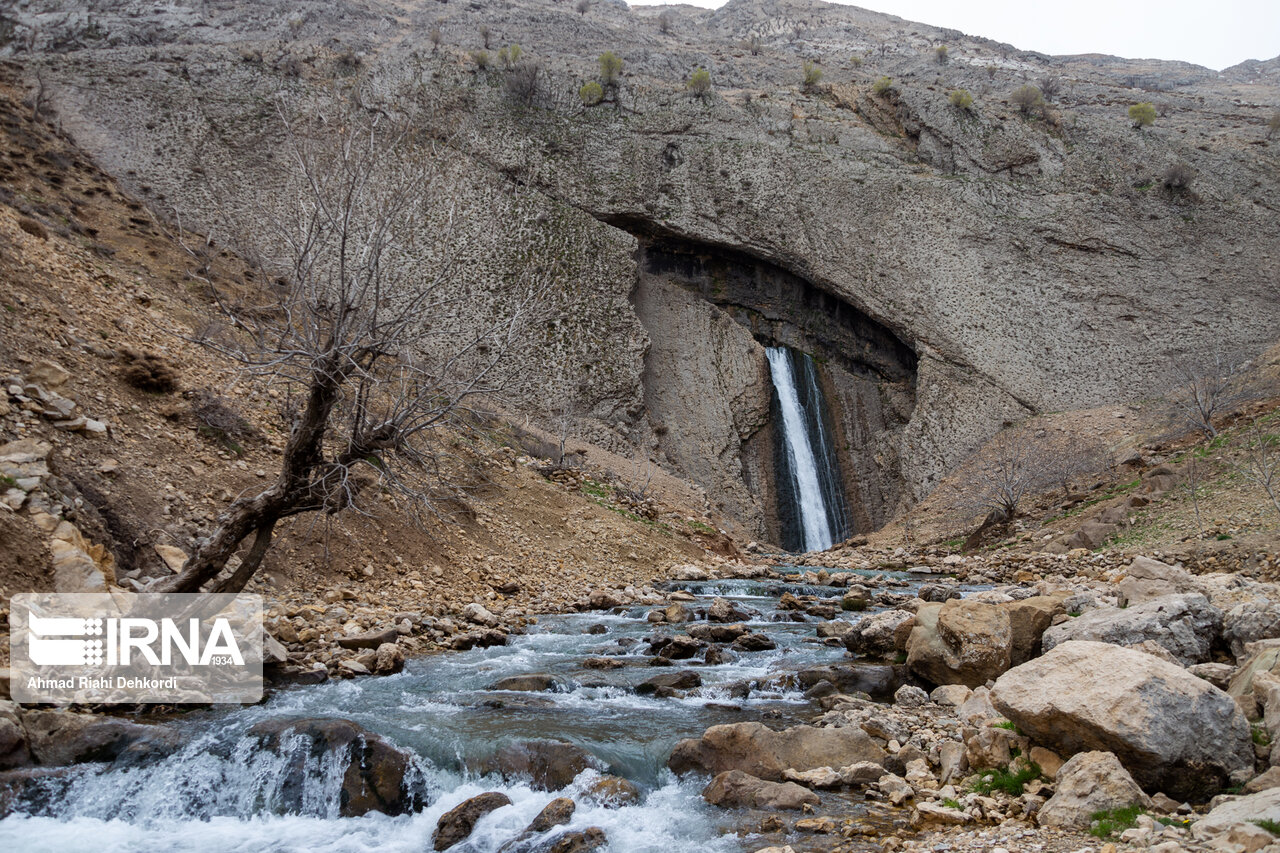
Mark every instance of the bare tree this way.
pixel 1261 462
pixel 1018 466
pixel 354 243
pixel 1205 391
pixel 1069 456
pixel 1193 483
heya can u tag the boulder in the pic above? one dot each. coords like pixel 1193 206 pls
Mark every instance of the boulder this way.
pixel 14 751
pixel 1186 625
pixel 722 611
pixel 951 695
pixel 754 643
pixel 376 776
pixel 910 696
pixel 558 812
pixel 549 765
pixel 1174 732
pixel 676 613
pixel 479 614
pixel 480 639
pixel 683 680
pixel 531 682
pixel 612 792
pixel 1248 622
pixel 1265 658
pixel 767 754
pixel 369 640
pixel 873 634
pixel 717 633
pixel 602 599
pixel 388 659
pixel 457 823
pixel 1261 806
pixel 1028 620
pixel 65 737
pixel 1089 782
pixel 880 681
pixel 1145 579
pixel 735 789
pixel 960 642
pixel 838 629
pixel 591 838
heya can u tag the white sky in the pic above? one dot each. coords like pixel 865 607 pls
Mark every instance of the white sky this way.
pixel 1215 34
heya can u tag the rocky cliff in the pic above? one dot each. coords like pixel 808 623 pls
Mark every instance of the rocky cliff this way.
pixel 953 269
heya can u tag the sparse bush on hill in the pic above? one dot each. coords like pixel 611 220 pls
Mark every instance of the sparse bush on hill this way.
pixel 812 74
pixel 1273 125
pixel 961 99
pixel 882 86
pixel 941 55
pixel 583 7
pixel 755 45
pixel 481 59
pixel 510 55
pixel 591 93
pixel 610 68
pixel 485 36
pixel 700 83
pixel 521 82
pixel 149 371
pixel 435 37
pixel 1178 176
pixel 665 21
pixel 1142 114
pixel 856 61
pixel 1050 85
pixel 1027 98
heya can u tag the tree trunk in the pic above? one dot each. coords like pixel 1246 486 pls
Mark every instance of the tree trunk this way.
pixel 251 561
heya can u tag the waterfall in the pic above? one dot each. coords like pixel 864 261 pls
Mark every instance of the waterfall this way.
pixel 811 498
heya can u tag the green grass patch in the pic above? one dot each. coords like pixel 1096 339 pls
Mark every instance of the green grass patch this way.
pixel 596 490
pixel 1259 735
pixel 8 482
pixel 1111 822
pixel 955 804
pixel 701 527
pixel 1010 782
pixel 1270 826
pixel 1007 724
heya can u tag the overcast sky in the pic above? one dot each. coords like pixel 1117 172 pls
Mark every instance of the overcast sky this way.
pixel 1214 33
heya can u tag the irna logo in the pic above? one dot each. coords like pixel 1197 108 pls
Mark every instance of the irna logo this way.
pixel 64 641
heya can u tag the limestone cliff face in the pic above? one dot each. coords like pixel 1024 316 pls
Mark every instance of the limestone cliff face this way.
pixel 954 270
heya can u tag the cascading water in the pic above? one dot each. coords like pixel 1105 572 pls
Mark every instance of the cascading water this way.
pixel 811 499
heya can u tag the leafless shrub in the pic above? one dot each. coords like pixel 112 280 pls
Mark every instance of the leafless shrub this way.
pixel 1069 457
pixel 583 6
pixel 754 45
pixel 1050 85
pixel 218 419
pixel 436 37
pixel 1193 484
pixel 149 371
pixel 1205 390
pixel 665 21
pixel 521 82
pixel 486 36
pixel 1178 176
pixel 1019 466
pixel 1260 462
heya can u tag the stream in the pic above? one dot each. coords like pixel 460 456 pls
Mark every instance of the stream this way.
pixel 217 791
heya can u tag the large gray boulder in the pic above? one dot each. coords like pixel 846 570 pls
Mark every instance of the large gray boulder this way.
pixel 960 642
pixel 1145 579
pixel 1090 782
pixel 767 754
pixel 873 633
pixel 735 789
pixel 1248 622
pixel 1185 624
pixel 1173 731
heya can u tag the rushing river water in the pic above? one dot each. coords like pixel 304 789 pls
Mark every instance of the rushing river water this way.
pixel 216 793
